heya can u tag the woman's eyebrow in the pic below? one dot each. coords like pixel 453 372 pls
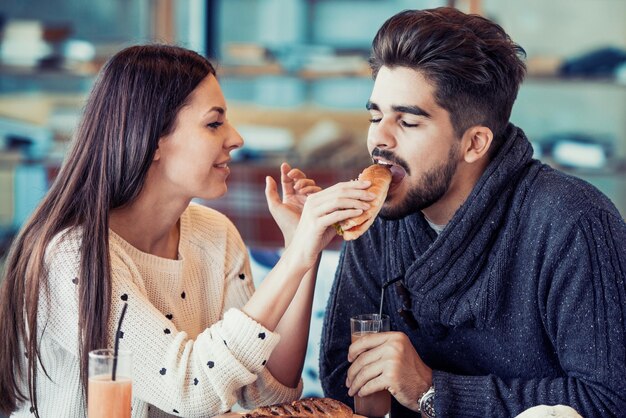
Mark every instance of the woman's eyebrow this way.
pixel 217 109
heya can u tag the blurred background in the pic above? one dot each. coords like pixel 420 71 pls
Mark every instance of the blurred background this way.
pixel 295 75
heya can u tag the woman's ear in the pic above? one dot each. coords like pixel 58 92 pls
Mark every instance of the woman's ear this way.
pixel 157 153
pixel 476 142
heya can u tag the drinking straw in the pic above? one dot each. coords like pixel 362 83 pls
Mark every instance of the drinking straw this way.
pixel 379 323
pixel 117 341
pixel 382 297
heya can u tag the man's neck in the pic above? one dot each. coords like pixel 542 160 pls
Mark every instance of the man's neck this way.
pixel 463 182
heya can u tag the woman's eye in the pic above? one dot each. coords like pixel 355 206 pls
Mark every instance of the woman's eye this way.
pixel 374 120
pixel 215 125
pixel 409 125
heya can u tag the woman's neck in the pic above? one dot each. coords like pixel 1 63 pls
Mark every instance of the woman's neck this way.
pixel 150 226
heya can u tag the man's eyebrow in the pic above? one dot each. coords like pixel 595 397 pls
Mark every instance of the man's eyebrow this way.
pixel 414 110
pixel 371 106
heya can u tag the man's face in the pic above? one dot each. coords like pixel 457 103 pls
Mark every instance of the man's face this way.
pixel 409 130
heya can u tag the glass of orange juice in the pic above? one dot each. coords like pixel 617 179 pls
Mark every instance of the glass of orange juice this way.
pixel 109 393
pixel 377 404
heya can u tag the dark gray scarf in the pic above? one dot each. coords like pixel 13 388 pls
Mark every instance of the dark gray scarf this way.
pixel 455 278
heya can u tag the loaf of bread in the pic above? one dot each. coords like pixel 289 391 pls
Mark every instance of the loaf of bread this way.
pixel 303 408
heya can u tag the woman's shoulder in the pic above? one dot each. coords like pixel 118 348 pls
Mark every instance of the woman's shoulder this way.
pixel 65 245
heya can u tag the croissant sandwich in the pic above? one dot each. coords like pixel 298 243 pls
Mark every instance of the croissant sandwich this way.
pixel 380 176
pixel 304 408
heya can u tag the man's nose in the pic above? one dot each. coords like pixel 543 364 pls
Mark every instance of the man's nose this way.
pixel 382 135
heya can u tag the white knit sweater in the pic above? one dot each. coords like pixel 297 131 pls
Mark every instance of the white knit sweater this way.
pixel 195 354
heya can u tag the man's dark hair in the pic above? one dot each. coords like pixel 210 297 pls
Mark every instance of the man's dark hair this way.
pixel 474 65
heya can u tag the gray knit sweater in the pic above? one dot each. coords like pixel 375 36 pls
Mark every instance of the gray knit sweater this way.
pixel 520 301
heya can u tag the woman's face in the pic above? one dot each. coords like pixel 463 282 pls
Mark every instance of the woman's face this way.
pixel 192 160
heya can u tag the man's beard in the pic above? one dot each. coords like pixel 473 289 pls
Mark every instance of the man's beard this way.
pixel 433 185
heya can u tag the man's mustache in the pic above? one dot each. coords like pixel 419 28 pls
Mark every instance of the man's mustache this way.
pixel 390 156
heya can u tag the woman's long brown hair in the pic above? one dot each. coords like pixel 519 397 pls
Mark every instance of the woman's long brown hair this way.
pixel 133 103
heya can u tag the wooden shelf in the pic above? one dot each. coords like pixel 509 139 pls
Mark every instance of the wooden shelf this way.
pixel 275 69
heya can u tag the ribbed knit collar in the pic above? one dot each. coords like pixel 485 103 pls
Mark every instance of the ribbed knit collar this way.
pixel 442 272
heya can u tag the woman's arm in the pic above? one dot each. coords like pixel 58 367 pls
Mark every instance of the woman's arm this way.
pixel 287 359
pixel 291 283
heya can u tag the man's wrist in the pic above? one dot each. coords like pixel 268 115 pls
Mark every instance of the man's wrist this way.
pixel 426 403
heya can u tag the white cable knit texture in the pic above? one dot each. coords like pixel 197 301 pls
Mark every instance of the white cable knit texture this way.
pixel 195 353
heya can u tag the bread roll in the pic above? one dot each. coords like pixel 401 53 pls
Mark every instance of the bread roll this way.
pixel 380 176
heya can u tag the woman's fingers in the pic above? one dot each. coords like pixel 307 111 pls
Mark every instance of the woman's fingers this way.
pixel 351 190
pixel 309 190
pixel 295 173
pixel 271 193
pixel 322 207
pixel 302 183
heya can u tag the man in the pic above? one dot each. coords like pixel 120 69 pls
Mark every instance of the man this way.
pixel 504 278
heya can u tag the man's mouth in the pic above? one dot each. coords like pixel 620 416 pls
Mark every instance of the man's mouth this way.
pixel 397 172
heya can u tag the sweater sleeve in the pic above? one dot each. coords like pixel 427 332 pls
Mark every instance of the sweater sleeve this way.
pixel 266 390
pixel 584 310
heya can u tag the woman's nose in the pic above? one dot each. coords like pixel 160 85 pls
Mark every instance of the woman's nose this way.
pixel 234 139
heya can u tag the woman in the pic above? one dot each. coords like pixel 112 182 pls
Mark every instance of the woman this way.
pixel 117 227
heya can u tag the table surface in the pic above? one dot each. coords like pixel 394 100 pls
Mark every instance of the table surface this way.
pixel 240 414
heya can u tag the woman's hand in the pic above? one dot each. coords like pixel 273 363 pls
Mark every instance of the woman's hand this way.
pixel 296 187
pixel 322 210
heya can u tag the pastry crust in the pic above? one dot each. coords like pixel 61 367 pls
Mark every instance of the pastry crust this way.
pixel 303 408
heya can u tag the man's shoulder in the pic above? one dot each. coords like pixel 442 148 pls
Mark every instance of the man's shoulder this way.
pixel 554 194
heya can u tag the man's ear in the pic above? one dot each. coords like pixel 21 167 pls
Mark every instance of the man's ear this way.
pixel 476 143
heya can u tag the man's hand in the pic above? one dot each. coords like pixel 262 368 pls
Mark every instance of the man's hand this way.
pixel 388 361
pixel 296 187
